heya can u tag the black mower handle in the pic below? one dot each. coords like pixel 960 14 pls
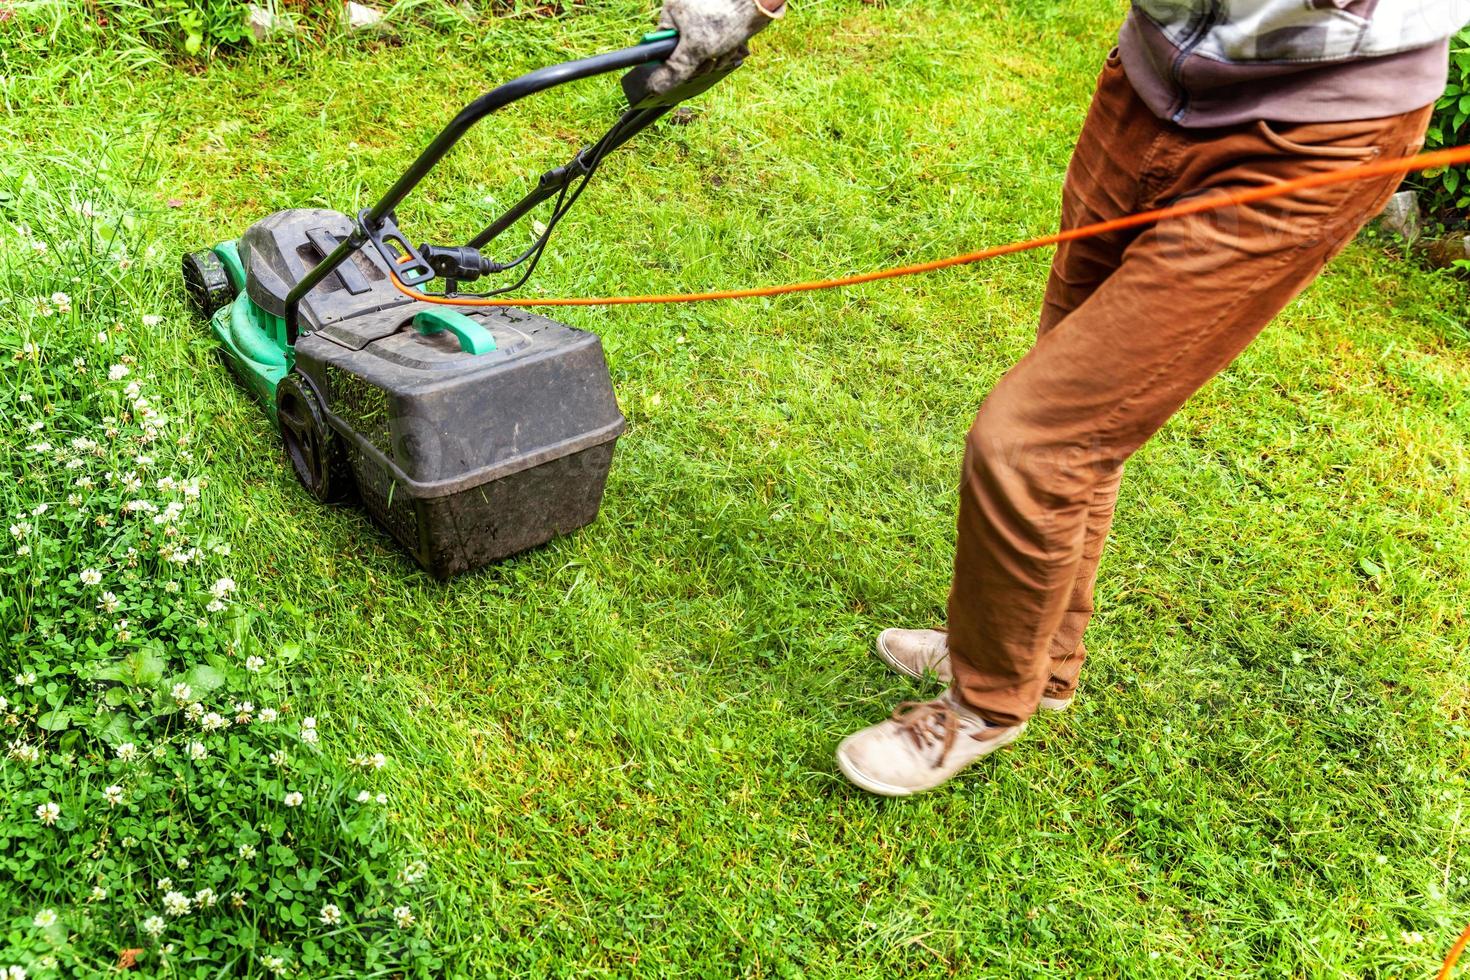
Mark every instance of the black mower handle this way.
pixel 497 98
pixel 513 91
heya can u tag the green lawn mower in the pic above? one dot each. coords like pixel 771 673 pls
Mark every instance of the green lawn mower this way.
pixel 469 432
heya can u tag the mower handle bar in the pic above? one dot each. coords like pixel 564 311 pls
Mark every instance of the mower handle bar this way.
pixel 497 98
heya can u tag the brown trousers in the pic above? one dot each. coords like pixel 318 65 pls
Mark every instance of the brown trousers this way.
pixel 1132 325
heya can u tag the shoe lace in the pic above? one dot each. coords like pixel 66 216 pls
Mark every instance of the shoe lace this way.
pixel 927 722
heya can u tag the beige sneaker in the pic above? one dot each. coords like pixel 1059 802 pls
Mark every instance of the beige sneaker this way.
pixel 920 747
pixel 917 653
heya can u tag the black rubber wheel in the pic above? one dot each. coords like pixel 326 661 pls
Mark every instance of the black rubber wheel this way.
pixel 316 452
pixel 207 283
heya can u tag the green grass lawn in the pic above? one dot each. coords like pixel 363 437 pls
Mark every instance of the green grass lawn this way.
pixel 617 749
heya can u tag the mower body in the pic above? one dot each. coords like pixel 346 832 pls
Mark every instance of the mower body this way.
pixel 469 434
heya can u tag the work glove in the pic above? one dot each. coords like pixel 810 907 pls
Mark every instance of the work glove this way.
pixel 712 35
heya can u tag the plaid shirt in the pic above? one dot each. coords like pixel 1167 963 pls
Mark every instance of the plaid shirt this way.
pixel 1245 31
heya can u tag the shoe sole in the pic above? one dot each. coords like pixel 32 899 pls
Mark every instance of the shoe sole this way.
pixel 880 788
pixel 880 650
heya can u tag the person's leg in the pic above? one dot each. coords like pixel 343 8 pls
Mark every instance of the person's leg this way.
pixel 1098 187
pixel 1044 455
pixel 1090 194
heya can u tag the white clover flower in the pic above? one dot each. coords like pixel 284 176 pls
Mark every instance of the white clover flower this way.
pixel 40 509
pixel 25 678
pixel 175 904
pixel 309 721
pixel 279 757
pixel 151 319
pixel 195 711
pixel 381 798
pixel 171 587
pixel 197 752
pixel 23 550
pixel 182 863
pixel 403 916
pixel 331 915
pixel 1411 938
pixel 90 576
pixel 80 363
pixel 293 799
pixel 309 736
pixel 45 919
pixel 4 704
pixel 24 752
pixel 48 812
pixel 118 371
pixel 15 973
pixel 62 302
pixel 154 926
pixel 275 964
pixel 214 606
pixel 413 872
pixel 205 898
pixel 213 721
pixel 98 893
pixel 267 715
pixel 108 603
pixel 113 794
pixel 20 530
pixel 247 852
pixel 237 900
pixel 364 796
pixel 182 691
pixel 243 713
pixel 127 752
pixel 254 663
pixel 165 884
pixel 222 587
pixel 123 633
pixel 73 500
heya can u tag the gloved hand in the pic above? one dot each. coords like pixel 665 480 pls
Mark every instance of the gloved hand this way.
pixel 712 33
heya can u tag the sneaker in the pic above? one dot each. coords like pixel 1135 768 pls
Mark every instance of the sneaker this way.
pixel 915 653
pixel 920 747
pixel 919 653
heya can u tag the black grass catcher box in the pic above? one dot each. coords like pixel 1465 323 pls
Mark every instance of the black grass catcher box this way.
pixel 465 457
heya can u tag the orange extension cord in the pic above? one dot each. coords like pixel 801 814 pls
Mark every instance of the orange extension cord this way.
pixel 1454 957
pixel 1424 161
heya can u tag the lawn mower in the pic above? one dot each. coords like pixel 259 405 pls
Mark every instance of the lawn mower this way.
pixel 469 433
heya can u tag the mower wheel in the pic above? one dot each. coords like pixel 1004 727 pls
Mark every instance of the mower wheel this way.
pixel 207 283
pixel 316 452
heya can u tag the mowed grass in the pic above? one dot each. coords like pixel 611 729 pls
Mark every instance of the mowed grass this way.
pixel 618 748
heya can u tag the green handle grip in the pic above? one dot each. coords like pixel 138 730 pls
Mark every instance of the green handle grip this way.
pixel 662 35
pixel 473 338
